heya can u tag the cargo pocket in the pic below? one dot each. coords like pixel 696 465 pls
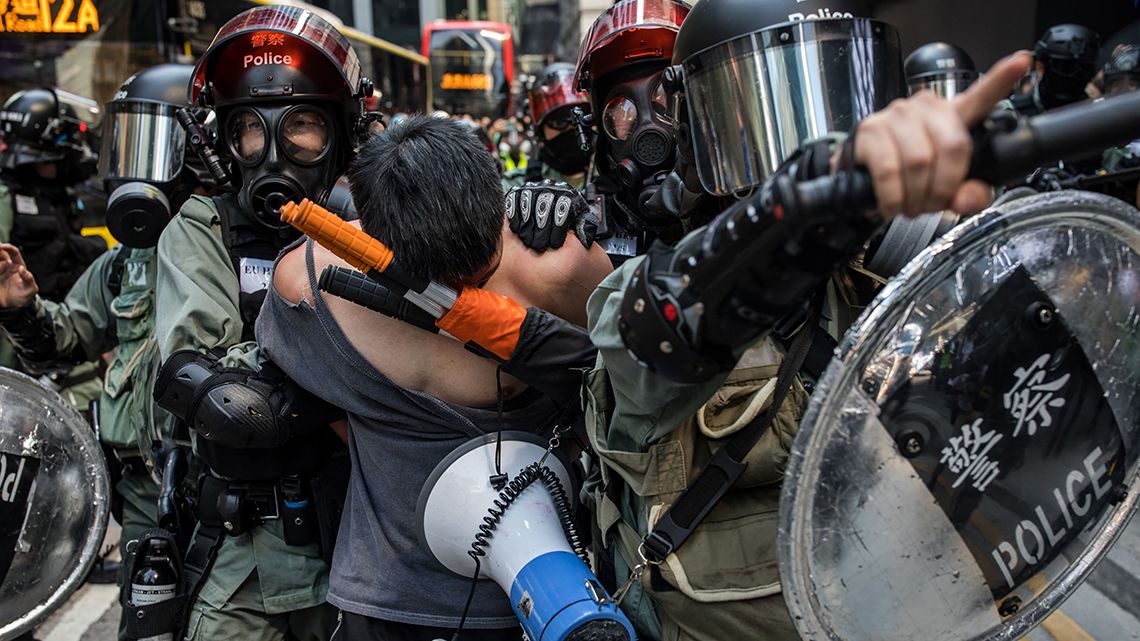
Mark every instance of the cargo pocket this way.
pixel 731 556
pixel 742 399
pixel 131 368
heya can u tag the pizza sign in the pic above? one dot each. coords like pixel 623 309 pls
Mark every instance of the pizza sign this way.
pixel 48 16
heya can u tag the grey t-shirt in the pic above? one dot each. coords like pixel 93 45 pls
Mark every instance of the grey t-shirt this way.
pixel 396 438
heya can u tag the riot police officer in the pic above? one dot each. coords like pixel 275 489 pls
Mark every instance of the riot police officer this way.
pixel 749 310
pixel 288 94
pixel 45 158
pixel 621 66
pixel 1065 63
pixel 561 158
pixel 111 305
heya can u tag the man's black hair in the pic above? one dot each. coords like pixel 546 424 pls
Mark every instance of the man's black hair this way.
pixel 429 191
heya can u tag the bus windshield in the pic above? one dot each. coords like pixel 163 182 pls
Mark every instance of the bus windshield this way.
pixel 468 71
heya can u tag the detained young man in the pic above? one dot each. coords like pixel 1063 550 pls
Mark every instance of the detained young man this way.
pixel 431 193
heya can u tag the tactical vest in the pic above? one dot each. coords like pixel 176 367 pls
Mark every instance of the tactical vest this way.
pixel 723 583
pixel 252 249
pixel 45 226
pixel 128 416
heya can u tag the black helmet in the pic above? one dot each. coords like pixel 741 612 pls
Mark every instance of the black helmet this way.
pixel 1068 53
pixel 145 160
pixel 1068 42
pixel 288 93
pixel 944 68
pixel 1122 71
pixel 38 126
pixel 761 78
pixel 711 23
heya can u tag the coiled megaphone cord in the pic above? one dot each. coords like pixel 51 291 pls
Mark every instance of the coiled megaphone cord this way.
pixel 509 494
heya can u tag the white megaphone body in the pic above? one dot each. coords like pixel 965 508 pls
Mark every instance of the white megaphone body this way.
pixel 520 530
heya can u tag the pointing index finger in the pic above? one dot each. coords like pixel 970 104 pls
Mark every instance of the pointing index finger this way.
pixel 979 100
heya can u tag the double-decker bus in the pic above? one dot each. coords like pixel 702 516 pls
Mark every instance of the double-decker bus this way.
pixel 472 66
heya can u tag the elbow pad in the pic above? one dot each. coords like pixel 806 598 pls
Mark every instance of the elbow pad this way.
pixel 33 336
pixel 238 408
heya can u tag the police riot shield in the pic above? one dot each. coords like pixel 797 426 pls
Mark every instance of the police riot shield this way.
pixel 971 452
pixel 54 501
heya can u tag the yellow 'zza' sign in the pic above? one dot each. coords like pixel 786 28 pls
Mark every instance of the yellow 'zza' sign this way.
pixel 35 16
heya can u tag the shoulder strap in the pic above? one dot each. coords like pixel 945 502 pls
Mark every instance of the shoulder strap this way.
pixel 718 475
pixel 115 277
pixel 231 235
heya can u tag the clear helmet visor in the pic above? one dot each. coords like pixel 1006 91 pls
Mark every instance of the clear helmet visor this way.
pixel 142 141
pixel 945 85
pixel 755 99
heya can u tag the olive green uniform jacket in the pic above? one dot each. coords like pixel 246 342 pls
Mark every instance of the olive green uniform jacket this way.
pixel 652 436
pixel 257 580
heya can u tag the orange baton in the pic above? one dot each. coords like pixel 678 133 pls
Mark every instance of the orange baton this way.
pixel 353 245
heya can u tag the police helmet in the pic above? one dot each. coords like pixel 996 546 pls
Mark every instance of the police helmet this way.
pixel 941 67
pixel 39 126
pixel 760 78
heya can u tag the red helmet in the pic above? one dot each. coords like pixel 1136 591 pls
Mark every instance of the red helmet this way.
pixel 630 31
pixel 554 90
pixel 281 52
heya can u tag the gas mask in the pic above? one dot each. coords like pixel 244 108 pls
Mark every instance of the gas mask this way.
pixel 145 189
pixel 638 129
pixel 635 150
pixel 138 211
pixel 283 153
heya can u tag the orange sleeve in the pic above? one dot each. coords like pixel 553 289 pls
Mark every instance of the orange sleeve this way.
pixel 491 321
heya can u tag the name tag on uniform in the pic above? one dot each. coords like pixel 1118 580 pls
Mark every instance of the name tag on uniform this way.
pixel 26 205
pixel 255 274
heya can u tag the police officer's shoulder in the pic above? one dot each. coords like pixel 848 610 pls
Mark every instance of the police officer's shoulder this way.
pixel 199 209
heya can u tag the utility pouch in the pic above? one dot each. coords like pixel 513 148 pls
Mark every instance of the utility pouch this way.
pixel 329 492
pixel 298 514
pixel 156 619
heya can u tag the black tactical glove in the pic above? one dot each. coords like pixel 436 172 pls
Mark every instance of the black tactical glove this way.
pixel 541 214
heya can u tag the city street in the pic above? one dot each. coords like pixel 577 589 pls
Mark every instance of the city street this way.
pixel 1106 608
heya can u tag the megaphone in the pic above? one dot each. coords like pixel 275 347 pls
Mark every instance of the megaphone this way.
pixel 520 532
